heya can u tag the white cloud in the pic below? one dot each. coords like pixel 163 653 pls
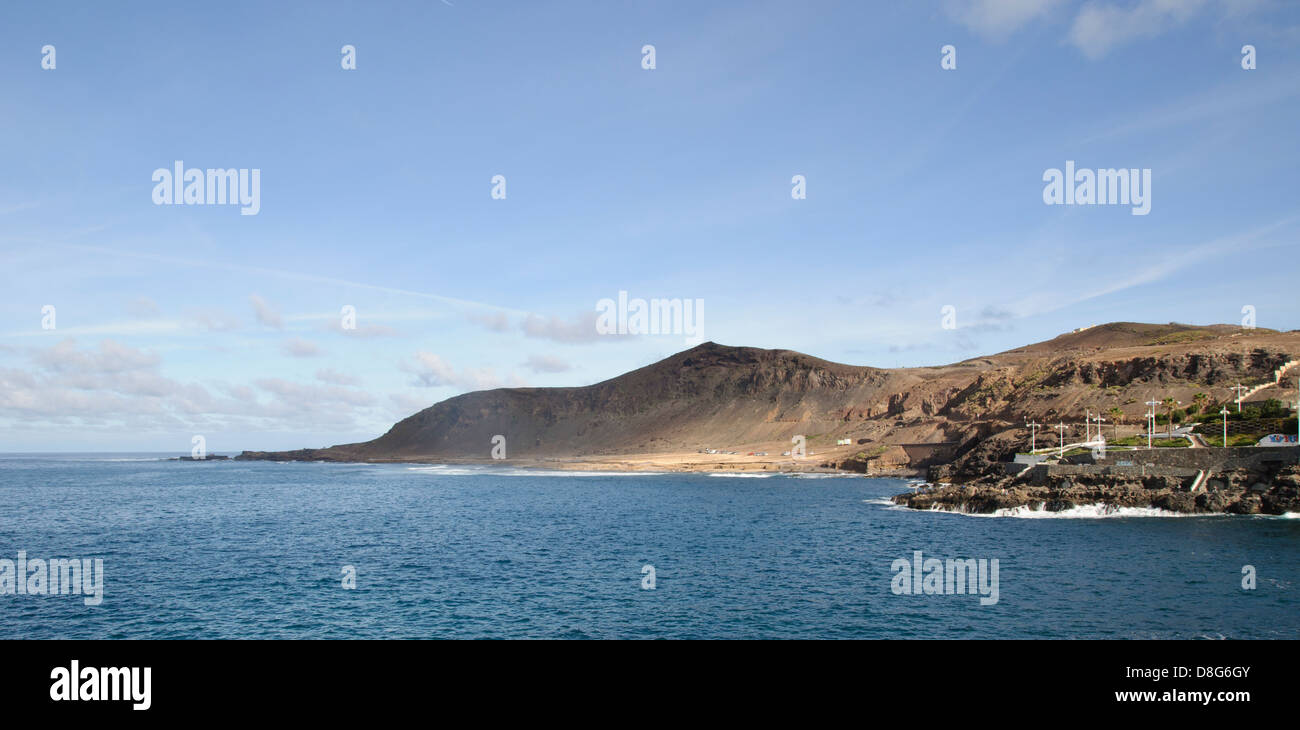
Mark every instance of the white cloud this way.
pixel 313 396
pixel 334 377
pixel 361 330
pixel 142 307
pixel 998 19
pixel 298 347
pixel 432 371
pixel 493 321
pixel 583 329
pixel 213 320
pixel 1101 26
pixel 266 314
pixel 547 364
pixel 114 388
pixel 111 358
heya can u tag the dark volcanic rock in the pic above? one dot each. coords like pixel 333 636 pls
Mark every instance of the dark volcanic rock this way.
pixel 1167 493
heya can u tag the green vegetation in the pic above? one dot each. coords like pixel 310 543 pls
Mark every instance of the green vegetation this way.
pixel 1172 443
pixel 1271 408
pixel 1234 439
pixel 1178 415
pixel 1254 422
pixel 1183 336
pixel 1129 441
pixel 875 451
pixel 1116 418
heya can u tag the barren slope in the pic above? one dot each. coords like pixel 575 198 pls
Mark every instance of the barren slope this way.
pixel 741 397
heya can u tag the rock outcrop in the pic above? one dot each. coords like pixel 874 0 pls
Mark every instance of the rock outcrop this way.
pixel 1240 491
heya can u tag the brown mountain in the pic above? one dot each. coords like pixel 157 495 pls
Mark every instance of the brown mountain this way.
pixel 743 398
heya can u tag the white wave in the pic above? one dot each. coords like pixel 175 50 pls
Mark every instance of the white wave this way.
pixel 577 473
pixel 820 475
pixel 1289 516
pixel 1079 512
pixel 450 470
pixel 743 474
pixel 883 502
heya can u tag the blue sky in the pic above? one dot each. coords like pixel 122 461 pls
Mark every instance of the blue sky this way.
pixel 924 189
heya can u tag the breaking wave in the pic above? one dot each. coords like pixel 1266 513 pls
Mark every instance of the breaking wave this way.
pixel 450 470
pixel 1078 512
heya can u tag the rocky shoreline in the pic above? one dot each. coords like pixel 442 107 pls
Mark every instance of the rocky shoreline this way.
pixel 1239 491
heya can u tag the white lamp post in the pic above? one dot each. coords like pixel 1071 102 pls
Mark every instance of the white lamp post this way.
pixel 1225 426
pixel 1151 426
pixel 1239 387
pixel 1060 442
pixel 1296 408
pixel 1033 430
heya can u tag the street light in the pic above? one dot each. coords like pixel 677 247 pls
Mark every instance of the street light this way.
pixel 1033 429
pixel 1225 426
pixel 1151 416
pixel 1060 440
pixel 1296 408
pixel 1239 387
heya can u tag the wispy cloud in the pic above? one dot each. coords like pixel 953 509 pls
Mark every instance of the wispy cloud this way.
pixel 298 347
pixel 433 371
pixel 998 19
pixel 142 307
pixel 580 329
pixel 266 314
pixel 1102 26
pixel 334 377
pixel 547 364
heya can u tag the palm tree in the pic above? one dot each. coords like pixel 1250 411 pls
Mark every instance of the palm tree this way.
pixel 1200 399
pixel 1169 405
pixel 1116 418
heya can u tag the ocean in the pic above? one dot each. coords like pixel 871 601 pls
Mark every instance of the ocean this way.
pixel 263 550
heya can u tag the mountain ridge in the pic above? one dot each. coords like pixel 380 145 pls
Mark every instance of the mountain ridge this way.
pixel 720 396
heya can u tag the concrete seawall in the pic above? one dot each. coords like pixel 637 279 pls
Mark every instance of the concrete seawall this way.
pixel 1211 459
pixel 1168 462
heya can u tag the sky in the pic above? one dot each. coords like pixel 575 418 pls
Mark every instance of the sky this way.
pixel 923 188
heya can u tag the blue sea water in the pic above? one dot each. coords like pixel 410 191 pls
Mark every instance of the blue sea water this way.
pixel 257 549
